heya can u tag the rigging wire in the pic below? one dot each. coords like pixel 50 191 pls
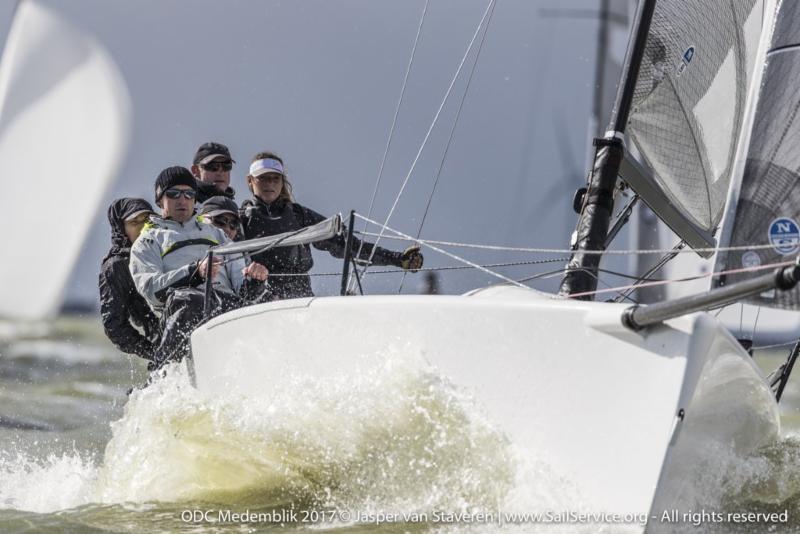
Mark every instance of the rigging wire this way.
pixel 755 323
pixel 449 254
pixel 565 251
pixel 655 268
pixel 430 128
pixel 394 119
pixel 707 275
pixel 452 130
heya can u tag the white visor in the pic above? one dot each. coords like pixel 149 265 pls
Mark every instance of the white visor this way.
pixel 263 166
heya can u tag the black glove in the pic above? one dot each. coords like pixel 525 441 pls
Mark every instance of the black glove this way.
pixel 411 259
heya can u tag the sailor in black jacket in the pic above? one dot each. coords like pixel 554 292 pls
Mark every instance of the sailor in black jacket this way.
pixel 121 306
pixel 211 168
pixel 272 210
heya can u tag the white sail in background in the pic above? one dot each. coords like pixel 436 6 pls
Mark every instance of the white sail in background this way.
pixel 64 128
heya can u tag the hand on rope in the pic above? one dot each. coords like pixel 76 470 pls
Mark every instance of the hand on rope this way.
pixel 256 271
pixel 411 259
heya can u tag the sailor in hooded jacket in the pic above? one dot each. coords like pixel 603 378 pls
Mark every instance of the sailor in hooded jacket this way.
pixel 272 210
pixel 127 319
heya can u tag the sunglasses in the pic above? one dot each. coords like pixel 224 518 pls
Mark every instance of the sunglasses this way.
pixel 226 222
pixel 188 194
pixel 216 166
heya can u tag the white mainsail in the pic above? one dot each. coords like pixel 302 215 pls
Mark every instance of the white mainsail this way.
pixel 64 125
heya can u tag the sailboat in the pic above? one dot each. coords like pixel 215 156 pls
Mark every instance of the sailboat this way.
pixel 622 401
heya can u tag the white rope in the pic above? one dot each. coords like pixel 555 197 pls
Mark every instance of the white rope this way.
pixel 430 130
pixel 568 251
pixel 449 254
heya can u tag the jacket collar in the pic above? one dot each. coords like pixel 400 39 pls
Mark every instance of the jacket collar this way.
pixel 169 224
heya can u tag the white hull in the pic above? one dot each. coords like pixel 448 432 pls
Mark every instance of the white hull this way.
pixel 563 380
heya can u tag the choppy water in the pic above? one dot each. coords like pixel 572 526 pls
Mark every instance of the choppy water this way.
pixel 78 454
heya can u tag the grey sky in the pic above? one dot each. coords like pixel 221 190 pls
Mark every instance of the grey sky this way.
pixel 318 82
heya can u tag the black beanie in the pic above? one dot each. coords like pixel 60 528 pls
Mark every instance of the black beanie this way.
pixel 172 176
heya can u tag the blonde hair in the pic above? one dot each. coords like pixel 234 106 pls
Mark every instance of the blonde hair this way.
pixel 286 188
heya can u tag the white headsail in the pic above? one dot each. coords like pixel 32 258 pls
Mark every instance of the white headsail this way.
pixel 689 105
pixel 64 127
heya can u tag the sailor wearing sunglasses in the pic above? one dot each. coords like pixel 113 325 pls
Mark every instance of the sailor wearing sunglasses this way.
pixel 168 264
pixel 223 213
pixel 212 166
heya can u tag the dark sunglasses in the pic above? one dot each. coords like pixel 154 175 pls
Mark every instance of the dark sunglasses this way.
pixel 223 222
pixel 216 166
pixel 176 193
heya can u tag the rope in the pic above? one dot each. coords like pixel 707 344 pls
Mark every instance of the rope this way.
pixel 452 132
pixel 430 129
pixel 394 120
pixel 564 251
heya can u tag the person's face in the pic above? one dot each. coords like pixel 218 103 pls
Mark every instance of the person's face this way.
pixel 134 227
pixel 178 209
pixel 217 172
pixel 228 223
pixel 267 186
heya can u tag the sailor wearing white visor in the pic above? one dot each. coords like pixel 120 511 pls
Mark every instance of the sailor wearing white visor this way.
pixel 273 210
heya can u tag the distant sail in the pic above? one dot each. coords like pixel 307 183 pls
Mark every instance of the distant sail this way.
pixel 64 128
pixel 765 208
pixel 689 103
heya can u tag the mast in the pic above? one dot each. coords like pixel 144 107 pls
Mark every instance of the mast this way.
pixel 598 203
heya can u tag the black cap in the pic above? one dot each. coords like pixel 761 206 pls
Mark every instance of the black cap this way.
pixel 172 176
pixel 209 151
pixel 130 208
pixel 218 205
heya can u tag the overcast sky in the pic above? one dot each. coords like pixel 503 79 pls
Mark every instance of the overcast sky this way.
pixel 318 81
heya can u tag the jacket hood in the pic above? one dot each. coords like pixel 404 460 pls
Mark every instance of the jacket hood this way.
pixel 118 211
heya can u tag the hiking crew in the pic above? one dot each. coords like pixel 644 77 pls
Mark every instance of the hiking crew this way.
pixel 168 262
pixel 127 319
pixel 212 166
pixel 272 210
pixel 223 213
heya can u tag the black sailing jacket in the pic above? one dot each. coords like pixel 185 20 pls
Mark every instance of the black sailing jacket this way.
pixel 206 190
pixel 260 219
pixel 121 306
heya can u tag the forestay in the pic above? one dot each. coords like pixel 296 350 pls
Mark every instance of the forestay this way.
pixel 767 207
pixel 688 107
